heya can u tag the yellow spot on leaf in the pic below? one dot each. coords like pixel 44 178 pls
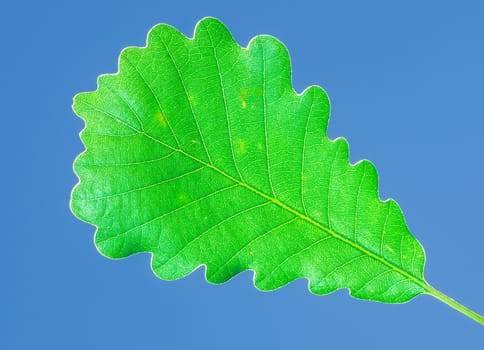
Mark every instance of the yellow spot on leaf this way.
pixel 181 198
pixel 244 92
pixel 161 119
pixel 240 146
pixel 244 102
pixel 192 100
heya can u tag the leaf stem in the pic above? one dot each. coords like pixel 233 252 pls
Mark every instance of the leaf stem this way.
pixel 455 305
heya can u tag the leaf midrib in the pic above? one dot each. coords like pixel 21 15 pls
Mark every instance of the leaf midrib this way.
pixel 306 218
pixel 420 282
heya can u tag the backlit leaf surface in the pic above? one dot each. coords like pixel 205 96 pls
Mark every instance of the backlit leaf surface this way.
pixel 201 152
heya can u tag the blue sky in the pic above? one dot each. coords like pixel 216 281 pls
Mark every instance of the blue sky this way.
pixel 406 83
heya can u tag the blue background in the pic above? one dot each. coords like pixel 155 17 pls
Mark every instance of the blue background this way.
pixel 406 85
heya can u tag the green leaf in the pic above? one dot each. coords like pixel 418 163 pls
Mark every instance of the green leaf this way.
pixel 201 152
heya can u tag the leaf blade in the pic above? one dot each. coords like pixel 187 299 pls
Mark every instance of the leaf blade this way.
pixel 256 152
